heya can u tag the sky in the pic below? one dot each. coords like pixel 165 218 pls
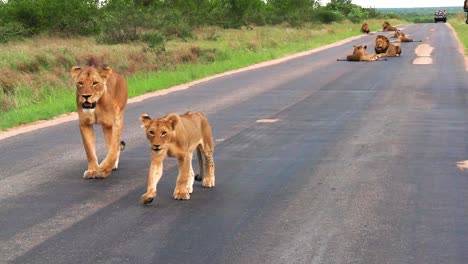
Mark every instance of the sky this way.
pixel 403 3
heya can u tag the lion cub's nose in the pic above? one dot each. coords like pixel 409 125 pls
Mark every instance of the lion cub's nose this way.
pixel 86 96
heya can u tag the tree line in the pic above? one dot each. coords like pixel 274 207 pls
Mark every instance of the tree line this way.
pixel 120 21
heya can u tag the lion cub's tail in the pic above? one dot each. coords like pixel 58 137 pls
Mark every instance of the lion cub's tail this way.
pixel 199 176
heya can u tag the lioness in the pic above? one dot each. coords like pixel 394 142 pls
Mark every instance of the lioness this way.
pixel 383 46
pixel 403 38
pixel 178 136
pixel 101 98
pixel 359 54
pixel 387 27
pixel 365 28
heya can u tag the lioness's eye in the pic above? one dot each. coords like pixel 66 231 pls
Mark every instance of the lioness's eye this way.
pixel 80 84
pixel 164 133
pixel 151 133
pixel 95 83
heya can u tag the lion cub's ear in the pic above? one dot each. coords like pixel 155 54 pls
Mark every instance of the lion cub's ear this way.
pixel 173 119
pixel 145 119
pixel 75 71
pixel 106 72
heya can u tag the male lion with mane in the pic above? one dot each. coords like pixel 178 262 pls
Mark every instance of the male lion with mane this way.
pixel 365 28
pixel 179 136
pixel 383 46
pixel 387 27
pixel 101 98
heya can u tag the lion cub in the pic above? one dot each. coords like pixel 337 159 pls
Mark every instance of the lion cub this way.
pixel 179 136
pixel 359 54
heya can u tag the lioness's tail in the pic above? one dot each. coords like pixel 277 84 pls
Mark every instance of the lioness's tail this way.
pixel 199 176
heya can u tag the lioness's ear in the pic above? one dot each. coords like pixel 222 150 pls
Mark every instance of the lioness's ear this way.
pixel 106 72
pixel 365 46
pixel 173 119
pixel 145 119
pixel 75 70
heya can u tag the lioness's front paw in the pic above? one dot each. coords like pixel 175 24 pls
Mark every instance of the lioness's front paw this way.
pixel 208 182
pixel 181 195
pixel 91 174
pixel 147 198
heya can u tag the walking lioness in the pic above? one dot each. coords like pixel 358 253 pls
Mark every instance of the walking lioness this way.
pixel 179 136
pixel 101 98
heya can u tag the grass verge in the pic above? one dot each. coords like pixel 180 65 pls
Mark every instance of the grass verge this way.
pixel 50 92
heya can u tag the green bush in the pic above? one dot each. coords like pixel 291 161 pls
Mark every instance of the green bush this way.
pixel 12 30
pixel 357 15
pixel 156 42
pixel 327 16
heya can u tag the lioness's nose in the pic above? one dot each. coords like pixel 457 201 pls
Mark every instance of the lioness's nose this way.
pixel 86 96
pixel 156 146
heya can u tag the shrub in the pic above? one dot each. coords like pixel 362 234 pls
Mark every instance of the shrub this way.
pixel 327 16
pixel 12 30
pixel 156 42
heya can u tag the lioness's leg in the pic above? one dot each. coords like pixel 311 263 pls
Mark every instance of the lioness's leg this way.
pixel 87 135
pixel 106 166
pixel 155 173
pixel 182 191
pixel 112 133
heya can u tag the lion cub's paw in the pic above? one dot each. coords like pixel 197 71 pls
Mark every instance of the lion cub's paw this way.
pixel 181 195
pixel 91 174
pixel 208 182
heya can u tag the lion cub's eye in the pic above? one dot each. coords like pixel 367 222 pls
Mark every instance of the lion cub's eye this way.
pixel 164 133
pixel 80 84
pixel 151 133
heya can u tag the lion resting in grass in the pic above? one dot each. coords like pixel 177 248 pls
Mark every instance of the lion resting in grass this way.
pixel 387 27
pixel 179 136
pixel 365 28
pixel 384 48
pixel 101 98
pixel 359 54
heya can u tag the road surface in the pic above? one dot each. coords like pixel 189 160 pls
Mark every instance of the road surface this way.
pixel 356 166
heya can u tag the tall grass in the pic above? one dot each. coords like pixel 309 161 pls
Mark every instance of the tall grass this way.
pixel 36 85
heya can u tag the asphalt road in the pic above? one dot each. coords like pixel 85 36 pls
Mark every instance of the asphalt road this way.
pixel 359 168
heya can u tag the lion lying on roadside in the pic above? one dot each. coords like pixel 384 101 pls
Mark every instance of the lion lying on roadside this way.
pixel 365 28
pixel 401 36
pixel 101 98
pixel 359 54
pixel 387 27
pixel 383 47
pixel 179 136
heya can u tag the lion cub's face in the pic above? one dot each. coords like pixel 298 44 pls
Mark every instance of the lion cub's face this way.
pixel 159 132
pixel 90 86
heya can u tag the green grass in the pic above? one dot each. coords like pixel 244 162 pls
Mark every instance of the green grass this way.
pixel 234 49
pixel 458 23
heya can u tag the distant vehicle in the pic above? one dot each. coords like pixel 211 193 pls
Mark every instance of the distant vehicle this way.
pixel 440 15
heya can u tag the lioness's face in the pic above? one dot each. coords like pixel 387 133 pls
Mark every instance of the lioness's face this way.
pixel 90 86
pixel 159 132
